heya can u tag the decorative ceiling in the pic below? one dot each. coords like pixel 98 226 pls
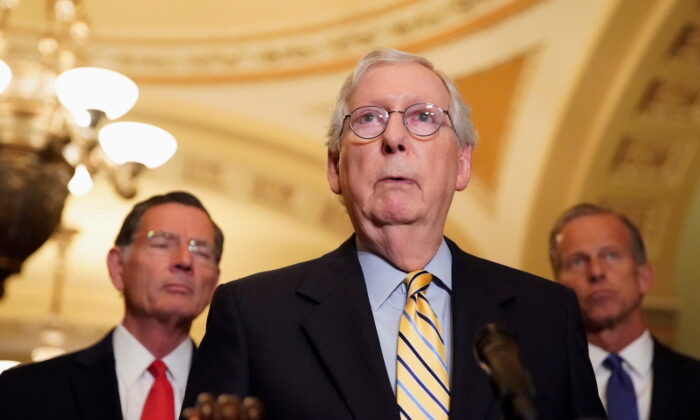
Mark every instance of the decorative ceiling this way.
pixel 220 41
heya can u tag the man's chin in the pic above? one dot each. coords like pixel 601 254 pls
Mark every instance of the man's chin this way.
pixel 176 313
pixel 397 214
pixel 597 324
pixel 608 317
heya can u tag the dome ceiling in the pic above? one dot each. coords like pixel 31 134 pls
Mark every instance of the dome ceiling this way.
pixel 223 41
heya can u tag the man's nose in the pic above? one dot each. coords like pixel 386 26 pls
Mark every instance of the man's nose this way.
pixel 596 270
pixel 395 136
pixel 182 257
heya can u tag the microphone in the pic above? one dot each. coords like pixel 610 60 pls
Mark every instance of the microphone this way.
pixel 497 354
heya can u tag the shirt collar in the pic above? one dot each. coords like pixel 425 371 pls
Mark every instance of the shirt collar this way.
pixel 132 358
pixel 637 355
pixel 640 353
pixel 179 361
pixel 382 278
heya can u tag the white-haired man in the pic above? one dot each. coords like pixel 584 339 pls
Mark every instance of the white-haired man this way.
pixel 384 326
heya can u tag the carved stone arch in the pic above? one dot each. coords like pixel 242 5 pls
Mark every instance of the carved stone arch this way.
pixel 629 140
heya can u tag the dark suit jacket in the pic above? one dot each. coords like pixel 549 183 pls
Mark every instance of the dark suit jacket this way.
pixel 676 385
pixel 80 385
pixel 303 339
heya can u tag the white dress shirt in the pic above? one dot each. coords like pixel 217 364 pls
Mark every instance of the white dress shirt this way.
pixel 387 297
pixel 637 357
pixel 132 360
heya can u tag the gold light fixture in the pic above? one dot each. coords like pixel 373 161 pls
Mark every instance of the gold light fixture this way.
pixel 53 136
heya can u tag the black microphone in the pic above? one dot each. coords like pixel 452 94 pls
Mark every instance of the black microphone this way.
pixel 497 354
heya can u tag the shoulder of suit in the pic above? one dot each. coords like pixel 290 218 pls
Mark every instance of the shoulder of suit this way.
pixel 666 354
pixel 278 277
pixel 42 369
pixel 60 364
pixel 284 277
pixel 508 276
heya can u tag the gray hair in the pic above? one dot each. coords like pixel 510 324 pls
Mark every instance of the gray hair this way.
pixel 459 111
pixel 587 209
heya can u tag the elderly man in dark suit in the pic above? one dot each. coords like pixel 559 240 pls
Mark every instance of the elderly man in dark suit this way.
pixel 165 264
pixel 600 254
pixel 384 326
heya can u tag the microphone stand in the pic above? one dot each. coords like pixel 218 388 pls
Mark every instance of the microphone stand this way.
pixel 497 354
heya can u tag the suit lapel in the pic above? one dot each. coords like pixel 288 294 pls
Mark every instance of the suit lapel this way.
pixel 342 331
pixel 476 301
pixel 95 382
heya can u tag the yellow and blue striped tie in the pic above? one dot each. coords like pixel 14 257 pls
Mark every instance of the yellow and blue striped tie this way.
pixel 422 384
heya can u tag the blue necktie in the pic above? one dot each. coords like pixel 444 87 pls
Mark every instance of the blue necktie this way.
pixel 622 400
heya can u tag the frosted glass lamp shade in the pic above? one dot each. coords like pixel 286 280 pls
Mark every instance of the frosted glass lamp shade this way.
pixel 137 142
pixel 84 88
pixel 5 76
pixel 81 183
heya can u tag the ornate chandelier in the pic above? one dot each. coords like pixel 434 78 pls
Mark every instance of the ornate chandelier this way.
pixel 53 136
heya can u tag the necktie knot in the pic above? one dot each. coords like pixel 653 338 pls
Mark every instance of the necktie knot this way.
pixel 157 369
pixel 613 362
pixel 417 282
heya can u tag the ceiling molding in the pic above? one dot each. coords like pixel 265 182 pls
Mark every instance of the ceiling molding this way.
pixel 630 140
pixel 410 26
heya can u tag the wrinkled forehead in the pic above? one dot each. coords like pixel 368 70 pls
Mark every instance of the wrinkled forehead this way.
pixel 594 230
pixel 399 84
pixel 178 218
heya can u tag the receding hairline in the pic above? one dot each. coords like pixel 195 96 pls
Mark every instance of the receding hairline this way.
pixel 189 206
pixel 383 64
pixel 605 214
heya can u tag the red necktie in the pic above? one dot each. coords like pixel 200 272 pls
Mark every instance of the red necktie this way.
pixel 159 403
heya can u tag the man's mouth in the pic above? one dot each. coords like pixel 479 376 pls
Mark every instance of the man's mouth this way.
pixel 600 296
pixel 399 179
pixel 177 288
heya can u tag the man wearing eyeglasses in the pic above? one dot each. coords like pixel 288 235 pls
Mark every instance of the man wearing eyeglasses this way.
pixel 600 254
pixel 165 264
pixel 383 327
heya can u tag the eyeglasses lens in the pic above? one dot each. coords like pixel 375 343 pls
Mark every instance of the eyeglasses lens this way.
pixel 421 119
pixel 165 243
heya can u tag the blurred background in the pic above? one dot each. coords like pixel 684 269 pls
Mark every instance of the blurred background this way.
pixel 595 100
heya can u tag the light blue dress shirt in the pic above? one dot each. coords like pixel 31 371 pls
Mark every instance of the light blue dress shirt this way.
pixel 387 296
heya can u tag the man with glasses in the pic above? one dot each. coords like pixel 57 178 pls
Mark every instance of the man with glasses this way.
pixel 600 254
pixel 384 326
pixel 165 263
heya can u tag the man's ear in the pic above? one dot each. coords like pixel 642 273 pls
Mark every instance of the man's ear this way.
pixel 645 276
pixel 464 167
pixel 115 265
pixel 333 172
